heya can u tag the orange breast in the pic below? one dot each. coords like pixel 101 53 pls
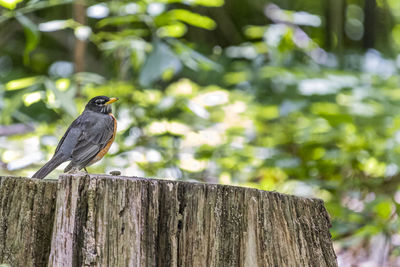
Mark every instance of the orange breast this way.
pixel 104 151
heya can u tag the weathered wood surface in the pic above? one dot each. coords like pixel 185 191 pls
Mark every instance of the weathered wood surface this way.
pixel 26 220
pixel 123 221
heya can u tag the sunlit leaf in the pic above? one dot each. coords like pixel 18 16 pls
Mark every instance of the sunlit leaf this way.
pixel 10 4
pixel 117 21
pixel 368 230
pixel 21 83
pixel 235 77
pixel 269 112
pixel 191 18
pixel 206 3
pixel 31 98
pixel 209 3
pixel 254 32
pixel 383 209
pixel 63 84
pixel 373 167
pixel 173 30
pixel 54 25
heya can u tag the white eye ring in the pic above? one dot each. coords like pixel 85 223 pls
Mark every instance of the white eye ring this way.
pixel 99 102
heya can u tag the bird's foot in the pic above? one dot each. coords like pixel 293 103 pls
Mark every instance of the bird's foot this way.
pixel 77 171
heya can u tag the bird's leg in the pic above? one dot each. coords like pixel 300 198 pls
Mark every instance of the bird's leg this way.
pixel 73 170
pixel 85 169
pixel 76 170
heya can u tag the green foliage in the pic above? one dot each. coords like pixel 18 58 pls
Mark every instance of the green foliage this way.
pixel 10 4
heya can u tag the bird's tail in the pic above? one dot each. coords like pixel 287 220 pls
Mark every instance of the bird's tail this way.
pixel 49 166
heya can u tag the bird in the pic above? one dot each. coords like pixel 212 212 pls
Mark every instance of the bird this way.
pixel 87 139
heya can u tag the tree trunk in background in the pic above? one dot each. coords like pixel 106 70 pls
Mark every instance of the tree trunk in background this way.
pixel 335 10
pixel 26 220
pixel 369 24
pixel 119 221
pixel 80 45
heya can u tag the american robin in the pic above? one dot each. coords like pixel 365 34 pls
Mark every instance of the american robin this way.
pixel 87 140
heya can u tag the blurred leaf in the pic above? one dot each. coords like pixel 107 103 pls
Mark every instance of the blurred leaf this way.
pixel 209 3
pixel 88 77
pixel 384 209
pixel 10 4
pixel 55 25
pixel 176 30
pixel 373 167
pixel 254 32
pixel 269 112
pixel 206 3
pixel 32 36
pixel 191 58
pixel 22 83
pixel 160 60
pixel 235 77
pixel 368 230
pixel 31 98
pixel 117 21
pixel 64 98
pixel 191 18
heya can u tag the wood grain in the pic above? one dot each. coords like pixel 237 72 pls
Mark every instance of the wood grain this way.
pixel 123 221
pixel 27 208
pixel 100 220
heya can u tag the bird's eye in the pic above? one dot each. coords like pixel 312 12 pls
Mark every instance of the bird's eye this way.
pixel 99 102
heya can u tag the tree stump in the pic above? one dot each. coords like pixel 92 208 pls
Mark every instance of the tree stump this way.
pixel 26 220
pixel 102 220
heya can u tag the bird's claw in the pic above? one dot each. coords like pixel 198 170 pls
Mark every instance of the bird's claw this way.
pixel 77 171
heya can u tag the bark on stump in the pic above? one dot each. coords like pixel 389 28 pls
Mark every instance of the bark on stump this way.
pixel 26 220
pixel 104 220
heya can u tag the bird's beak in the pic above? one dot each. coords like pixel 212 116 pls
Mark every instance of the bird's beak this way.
pixel 112 100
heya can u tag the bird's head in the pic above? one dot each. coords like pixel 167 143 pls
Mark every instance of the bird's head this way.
pixel 100 104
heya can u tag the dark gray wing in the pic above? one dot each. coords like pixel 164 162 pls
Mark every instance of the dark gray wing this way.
pixel 70 139
pixel 95 135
